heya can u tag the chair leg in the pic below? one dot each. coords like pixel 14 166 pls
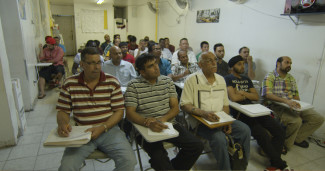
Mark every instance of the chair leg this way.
pixel 139 157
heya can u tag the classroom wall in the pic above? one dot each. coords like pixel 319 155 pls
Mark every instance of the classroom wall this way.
pixel 62 9
pixel 8 119
pixel 141 21
pixel 81 37
pixel 20 46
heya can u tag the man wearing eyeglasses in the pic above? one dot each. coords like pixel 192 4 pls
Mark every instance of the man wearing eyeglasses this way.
pixel 95 99
pixel 122 70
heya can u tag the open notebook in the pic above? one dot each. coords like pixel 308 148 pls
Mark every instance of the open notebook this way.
pixel 77 137
pixel 224 118
pixel 303 105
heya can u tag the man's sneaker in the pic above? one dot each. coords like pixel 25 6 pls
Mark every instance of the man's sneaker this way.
pixel 303 144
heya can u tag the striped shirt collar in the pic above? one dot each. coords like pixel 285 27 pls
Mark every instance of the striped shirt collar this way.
pixel 145 80
pixel 81 80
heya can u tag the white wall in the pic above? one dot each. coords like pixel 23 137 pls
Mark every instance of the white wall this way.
pixel 141 22
pixel 8 118
pixel 258 25
pixel 82 38
pixel 62 10
pixel 20 46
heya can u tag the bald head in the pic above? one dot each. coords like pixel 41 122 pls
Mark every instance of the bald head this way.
pixel 208 63
pixel 115 54
pixel 205 55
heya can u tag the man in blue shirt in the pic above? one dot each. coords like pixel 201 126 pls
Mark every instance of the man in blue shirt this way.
pixel 164 65
pixel 57 40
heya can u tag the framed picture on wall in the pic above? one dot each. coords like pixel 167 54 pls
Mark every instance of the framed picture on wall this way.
pixel 208 16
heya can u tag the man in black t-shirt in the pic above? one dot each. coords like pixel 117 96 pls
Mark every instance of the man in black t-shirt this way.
pixel 222 66
pixel 241 90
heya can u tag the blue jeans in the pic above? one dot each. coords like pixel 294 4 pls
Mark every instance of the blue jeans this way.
pixel 113 143
pixel 218 143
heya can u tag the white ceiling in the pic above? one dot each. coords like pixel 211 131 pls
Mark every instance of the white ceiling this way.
pixel 115 2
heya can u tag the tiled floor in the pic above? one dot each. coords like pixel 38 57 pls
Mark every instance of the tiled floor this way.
pixel 30 154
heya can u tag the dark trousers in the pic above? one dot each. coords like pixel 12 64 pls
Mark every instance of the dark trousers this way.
pixel 190 149
pixel 271 145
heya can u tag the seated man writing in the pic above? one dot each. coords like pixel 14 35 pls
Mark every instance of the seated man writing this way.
pixel 280 86
pixel 122 70
pixel 51 54
pixel 151 100
pixel 204 94
pixel 241 90
pixel 95 99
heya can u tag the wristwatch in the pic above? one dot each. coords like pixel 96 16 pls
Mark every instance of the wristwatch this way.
pixel 192 110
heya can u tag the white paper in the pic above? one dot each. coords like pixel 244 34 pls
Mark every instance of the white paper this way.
pixel 77 133
pixel 255 108
pixel 169 131
pixel 303 105
pixel 224 117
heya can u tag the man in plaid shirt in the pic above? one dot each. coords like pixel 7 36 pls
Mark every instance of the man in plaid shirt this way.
pixel 184 69
pixel 280 86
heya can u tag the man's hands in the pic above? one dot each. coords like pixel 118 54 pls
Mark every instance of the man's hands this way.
pixel 249 59
pixel 227 129
pixel 156 125
pixel 293 104
pixel 210 116
pixel 96 131
pixel 64 130
pixel 186 72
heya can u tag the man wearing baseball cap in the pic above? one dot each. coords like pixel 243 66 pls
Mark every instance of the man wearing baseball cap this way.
pixel 51 54
pixel 241 90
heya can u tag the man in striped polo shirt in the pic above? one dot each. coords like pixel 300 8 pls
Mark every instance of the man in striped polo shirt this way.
pixel 95 99
pixel 150 100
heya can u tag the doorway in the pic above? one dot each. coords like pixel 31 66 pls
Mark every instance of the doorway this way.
pixel 67 30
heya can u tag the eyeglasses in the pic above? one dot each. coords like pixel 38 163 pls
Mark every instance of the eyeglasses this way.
pixel 94 63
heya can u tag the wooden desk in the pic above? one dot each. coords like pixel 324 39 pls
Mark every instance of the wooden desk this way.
pixel 213 125
pixel 238 107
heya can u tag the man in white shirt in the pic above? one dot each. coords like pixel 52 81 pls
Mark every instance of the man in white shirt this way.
pixel 122 70
pixel 183 45
pixel 142 47
pixel 165 52
pixel 204 94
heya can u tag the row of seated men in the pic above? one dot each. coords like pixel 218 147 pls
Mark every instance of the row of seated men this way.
pixel 151 99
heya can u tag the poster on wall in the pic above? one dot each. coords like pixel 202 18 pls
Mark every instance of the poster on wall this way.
pixel 208 16
pixel 22 9
pixel 304 6
pixel 92 21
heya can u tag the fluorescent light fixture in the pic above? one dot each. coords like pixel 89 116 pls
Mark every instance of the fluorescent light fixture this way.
pixel 100 1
